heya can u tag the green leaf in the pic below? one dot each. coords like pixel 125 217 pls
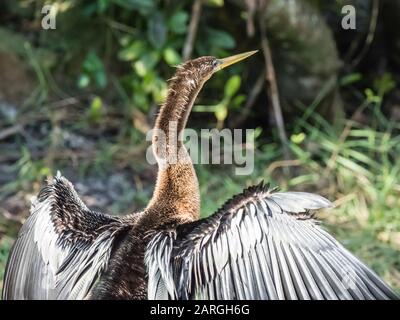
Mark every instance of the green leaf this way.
pixel 140 68
pixel 298 138
pixel 149 82
pixel 238 100
pixel 102 5
pixel 101 78
pixel 384 84
pixel 178 21
pixel 203 108
pixel 215 3
pixel 232 86
pixel 350 78
pixel 156 30
pixel 133 51
pixel 92 63
pixel 44 171
pixel 93 68
pixel 145 7
pixel 146 63
pixel 96 109
pixel 160 91
pixel 372 97
pixel 83 81
pixel 220 39
pixel 140 100
pixel 221 112
pixel 171 56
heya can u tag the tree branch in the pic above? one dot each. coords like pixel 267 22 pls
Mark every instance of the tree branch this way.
pixel 191 35
pixel 273 94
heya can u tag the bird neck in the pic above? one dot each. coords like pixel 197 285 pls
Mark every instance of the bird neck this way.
pixel 176 194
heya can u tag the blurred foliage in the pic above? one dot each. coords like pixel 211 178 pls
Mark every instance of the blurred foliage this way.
pixel 82 97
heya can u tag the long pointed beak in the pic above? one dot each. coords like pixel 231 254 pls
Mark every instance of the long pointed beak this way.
pixel 233 59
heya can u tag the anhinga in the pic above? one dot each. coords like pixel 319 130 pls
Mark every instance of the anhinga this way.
pixel 260 245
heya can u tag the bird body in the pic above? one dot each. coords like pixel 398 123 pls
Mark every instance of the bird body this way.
pixel 261 244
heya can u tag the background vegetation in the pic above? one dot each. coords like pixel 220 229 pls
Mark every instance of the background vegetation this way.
pixel 81 98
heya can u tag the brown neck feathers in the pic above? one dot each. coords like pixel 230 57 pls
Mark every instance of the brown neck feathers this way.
pixel 176 195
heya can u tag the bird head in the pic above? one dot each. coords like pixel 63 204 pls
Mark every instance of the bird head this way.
pixel 204 67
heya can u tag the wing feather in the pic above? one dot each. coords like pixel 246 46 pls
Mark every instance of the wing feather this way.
pixel 260 245
pixel 61 249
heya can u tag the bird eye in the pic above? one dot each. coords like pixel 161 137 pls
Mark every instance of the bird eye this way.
pixel 215 63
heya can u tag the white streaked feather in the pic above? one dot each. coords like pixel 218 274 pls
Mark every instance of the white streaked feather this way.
pixel 43 264
pixel 262 250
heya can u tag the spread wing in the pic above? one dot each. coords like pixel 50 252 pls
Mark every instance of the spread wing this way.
pixel 260 245
pixel 61 249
